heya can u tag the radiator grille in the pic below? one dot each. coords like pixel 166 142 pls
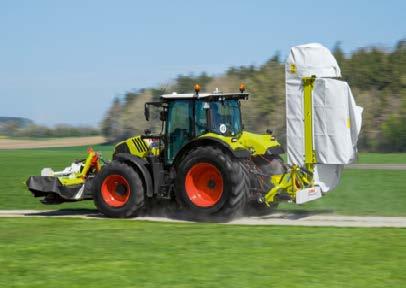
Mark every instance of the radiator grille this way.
pixel 140 144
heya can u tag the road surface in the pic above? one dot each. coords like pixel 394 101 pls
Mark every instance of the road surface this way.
pixel 277 218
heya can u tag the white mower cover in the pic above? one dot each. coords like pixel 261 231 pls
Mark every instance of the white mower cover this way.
pixel 68 171
pixel 336 117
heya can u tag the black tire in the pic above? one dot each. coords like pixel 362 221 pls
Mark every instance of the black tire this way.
pixel 135 190
pixel 268 165
pixel 234 192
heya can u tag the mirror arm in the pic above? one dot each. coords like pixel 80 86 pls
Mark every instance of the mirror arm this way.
pixel 146 111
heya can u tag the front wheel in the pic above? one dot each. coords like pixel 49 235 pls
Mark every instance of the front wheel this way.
pixel 118 190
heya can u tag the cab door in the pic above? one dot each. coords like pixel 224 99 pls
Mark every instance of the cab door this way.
pixel 179 127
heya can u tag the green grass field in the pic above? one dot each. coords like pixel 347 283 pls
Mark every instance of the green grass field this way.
pixel 363 192
pixel 57 252
pixel 378 158
pixel 382 158
pixel 119 253
pixel 17 165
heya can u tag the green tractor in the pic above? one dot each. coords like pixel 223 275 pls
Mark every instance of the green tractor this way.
pixel 202 158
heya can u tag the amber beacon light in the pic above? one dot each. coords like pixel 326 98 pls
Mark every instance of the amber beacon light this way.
pixel 197 88
pixel 242 87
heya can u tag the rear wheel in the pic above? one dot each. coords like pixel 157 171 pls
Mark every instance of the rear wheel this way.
pixel 204 184
pixel 118 190
pixel 209 183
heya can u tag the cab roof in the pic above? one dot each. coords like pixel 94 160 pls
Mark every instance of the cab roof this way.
pixel 207 96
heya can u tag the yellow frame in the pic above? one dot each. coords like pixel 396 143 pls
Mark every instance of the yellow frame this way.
pixel 298 178
pixel 92 160
pixel 310 158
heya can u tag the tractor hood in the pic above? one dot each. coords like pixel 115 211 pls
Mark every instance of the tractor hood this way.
pixel 256 144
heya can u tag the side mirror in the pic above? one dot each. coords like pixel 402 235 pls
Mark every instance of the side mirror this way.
pixel 162 116
pixel 146 112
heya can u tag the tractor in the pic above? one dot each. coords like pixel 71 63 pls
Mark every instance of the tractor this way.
pixel 203 159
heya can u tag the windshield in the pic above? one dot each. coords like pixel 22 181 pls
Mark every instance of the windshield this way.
pixel 225 117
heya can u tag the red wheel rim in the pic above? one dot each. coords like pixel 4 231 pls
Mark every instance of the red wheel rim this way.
pixel 204 185
pixel 115 190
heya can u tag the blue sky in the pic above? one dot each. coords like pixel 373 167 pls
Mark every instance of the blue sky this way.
pixel 64 61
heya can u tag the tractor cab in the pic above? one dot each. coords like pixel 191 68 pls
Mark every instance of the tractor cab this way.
pixel 188 116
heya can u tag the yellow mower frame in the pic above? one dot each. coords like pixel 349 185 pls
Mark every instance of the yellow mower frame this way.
pixel 92 161
pixel 298 177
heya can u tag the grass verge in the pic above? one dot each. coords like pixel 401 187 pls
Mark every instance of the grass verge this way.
pixel 118 253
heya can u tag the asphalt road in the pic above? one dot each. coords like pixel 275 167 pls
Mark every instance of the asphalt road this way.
pixel 277 218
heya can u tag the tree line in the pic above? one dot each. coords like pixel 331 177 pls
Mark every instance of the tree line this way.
pixel 376 76
pixel 14 128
